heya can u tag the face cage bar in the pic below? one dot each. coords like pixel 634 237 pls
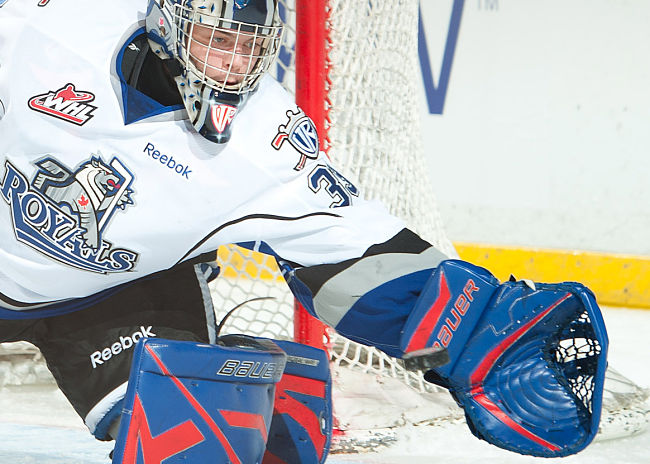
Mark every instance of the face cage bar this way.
pixel 257 64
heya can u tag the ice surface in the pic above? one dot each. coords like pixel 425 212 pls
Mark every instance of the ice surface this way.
pixel 38 426
pixel 38 444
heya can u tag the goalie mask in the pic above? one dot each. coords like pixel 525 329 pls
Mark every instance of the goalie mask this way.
pixel 217 51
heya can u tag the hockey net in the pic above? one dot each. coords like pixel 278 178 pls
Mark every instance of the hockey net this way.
pixel 367 112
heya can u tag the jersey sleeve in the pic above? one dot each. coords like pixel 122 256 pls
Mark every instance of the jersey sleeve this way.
pixel 369 298
pixel 348 260
pixel 296 201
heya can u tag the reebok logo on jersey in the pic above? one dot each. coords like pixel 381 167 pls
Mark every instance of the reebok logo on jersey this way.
pixel 66 104
pixel 124 343
pixel 169 161
pixel 64 213
pixel 301 134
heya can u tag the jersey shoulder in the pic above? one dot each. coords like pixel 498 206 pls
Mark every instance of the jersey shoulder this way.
pixel 283 128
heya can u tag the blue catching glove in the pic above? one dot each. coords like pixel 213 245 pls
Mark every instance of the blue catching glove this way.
pixel 526 361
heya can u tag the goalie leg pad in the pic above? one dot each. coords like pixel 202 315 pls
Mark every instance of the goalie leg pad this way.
pixel 527 361
pixel 301 429
pixel 198 402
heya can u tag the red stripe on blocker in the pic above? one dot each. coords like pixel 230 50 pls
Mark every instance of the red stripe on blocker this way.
pixel 430 320
pixel 481 372
pixel 286 404
pixel 157 449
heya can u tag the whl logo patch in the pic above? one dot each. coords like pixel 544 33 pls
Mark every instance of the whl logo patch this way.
pixel 64 214
pixel 66 104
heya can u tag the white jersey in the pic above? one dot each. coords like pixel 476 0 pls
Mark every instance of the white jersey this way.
pixel 89 201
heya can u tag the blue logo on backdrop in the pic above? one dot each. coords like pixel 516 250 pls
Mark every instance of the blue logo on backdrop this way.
pixel 64 214
pixel 435 94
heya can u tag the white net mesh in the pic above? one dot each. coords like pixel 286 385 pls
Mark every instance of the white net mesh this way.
pixel 374 130
pixel 243 276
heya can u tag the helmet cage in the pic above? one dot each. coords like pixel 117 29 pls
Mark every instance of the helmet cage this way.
pixel 227 55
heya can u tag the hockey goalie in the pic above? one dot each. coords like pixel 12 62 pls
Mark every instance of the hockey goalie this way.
pixel 137 141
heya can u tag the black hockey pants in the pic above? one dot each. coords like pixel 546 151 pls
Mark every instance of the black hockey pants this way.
pixel 89 351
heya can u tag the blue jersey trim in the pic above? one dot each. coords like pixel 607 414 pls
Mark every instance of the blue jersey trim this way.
pixel 136 105
pixel 60 308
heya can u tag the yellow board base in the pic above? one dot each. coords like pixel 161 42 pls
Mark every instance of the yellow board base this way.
pixel 616 280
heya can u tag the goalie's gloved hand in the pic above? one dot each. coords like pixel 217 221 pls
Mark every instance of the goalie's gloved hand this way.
pixel 527 361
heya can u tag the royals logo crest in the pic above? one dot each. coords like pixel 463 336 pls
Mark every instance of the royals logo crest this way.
pixel 64 214
pixel 301 134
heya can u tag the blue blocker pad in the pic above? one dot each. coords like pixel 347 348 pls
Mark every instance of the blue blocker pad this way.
pixel 192 402
pixel 301 429
pixel 527 362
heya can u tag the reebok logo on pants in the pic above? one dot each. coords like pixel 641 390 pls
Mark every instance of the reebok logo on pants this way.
pixel 124 343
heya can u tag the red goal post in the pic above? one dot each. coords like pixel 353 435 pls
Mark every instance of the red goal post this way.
pixel 315 78
pixel 311 96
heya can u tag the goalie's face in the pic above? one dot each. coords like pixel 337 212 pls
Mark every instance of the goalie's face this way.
pixel 222 49
pixel 224 56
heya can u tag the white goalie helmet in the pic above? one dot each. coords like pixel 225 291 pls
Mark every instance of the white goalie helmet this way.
pixel 218 50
